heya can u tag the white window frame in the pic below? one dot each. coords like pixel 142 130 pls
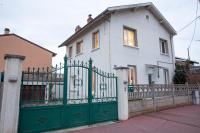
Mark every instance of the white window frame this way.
pixel 166 49
pixel 135 43
pixel 94 41
pixel 81 47
pixel 166 75
pixel 134 68
pixel 70 54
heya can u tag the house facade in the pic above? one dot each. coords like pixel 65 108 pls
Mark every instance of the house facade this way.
pixel 36 56
pixel 135 36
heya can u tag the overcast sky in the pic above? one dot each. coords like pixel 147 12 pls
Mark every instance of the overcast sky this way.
pixel 50 22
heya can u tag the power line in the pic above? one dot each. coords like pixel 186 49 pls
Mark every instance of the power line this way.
pixel 188 24
pixel 193 31
pixel 195 25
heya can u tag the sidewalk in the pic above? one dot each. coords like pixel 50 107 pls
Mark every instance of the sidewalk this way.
pixel 179 120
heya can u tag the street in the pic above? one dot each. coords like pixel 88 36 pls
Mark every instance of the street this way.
pixel 178 120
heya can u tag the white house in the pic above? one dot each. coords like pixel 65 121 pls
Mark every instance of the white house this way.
pixel 135 36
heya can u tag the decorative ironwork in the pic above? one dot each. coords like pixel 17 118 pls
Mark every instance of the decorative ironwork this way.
pixel 70 94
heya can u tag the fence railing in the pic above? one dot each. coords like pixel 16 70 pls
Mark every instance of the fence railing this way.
pixel 142 91
pixel 75 82
pixel 42 86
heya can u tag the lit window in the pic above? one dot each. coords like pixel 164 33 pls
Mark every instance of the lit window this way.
pixel 132 75
pixel 95 38
pixel 70 52
pixel 163 46
pixel 166 76
pixel 79 47
pixel 130 38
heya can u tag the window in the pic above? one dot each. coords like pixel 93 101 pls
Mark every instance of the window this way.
pixel 130 37
pixel 95 40
pixel 166 76
pixel 70 52
pixel 132 75
pixel 79 47
pixel 163 46
pixel 150 79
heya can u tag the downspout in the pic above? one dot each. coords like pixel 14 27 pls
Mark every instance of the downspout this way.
pixel 172 50
pixel 109 47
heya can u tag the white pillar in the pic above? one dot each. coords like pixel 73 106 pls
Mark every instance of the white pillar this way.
pixel 11 94
pixel 122 74
pixel 196 95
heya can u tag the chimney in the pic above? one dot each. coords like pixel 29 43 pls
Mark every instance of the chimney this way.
pixel 77 28
pixel 6 31
pixel 89 18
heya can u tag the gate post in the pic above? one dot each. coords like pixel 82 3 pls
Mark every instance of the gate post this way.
pixel 65 81
pixel 122 74
pixel 11 93
pixel 90 91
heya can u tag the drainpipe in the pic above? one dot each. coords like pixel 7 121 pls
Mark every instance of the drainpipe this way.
pixel 172 50
pixel 109 46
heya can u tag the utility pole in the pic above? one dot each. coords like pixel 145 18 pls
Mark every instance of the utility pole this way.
pixel 188 50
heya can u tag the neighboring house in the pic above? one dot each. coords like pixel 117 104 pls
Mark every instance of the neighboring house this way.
pixel 193 75
pixel 185 62
pixel 135 36
pixel 36 56
pixel 191 68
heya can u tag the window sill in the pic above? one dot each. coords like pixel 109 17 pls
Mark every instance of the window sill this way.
pixel 164 54
pixel 79 54
pixel 69 58
pixel 95 49
pixel 135 47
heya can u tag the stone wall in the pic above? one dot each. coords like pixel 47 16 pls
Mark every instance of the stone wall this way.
pixel 137 107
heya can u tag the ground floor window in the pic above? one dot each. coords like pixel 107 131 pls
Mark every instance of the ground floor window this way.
pixel 166 76
pixel 150 79
pixel 132 75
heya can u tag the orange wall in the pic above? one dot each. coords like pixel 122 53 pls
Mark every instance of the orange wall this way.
pixel 35 56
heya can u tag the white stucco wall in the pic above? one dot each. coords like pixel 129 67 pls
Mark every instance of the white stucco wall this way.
pixel 111 37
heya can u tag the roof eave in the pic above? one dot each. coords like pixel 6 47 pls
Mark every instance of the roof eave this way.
pixel 96 19
pixel 13 34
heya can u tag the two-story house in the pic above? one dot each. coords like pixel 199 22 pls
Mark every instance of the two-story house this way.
pixel 135 36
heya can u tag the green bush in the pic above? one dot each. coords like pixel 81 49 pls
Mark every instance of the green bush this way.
pixel 180 76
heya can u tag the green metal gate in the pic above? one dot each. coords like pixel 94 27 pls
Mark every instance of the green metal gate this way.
pixel 69 95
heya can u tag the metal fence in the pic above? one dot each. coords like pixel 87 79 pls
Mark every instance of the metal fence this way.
pixel 42 86
pixel 71 82
pixel 142 91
